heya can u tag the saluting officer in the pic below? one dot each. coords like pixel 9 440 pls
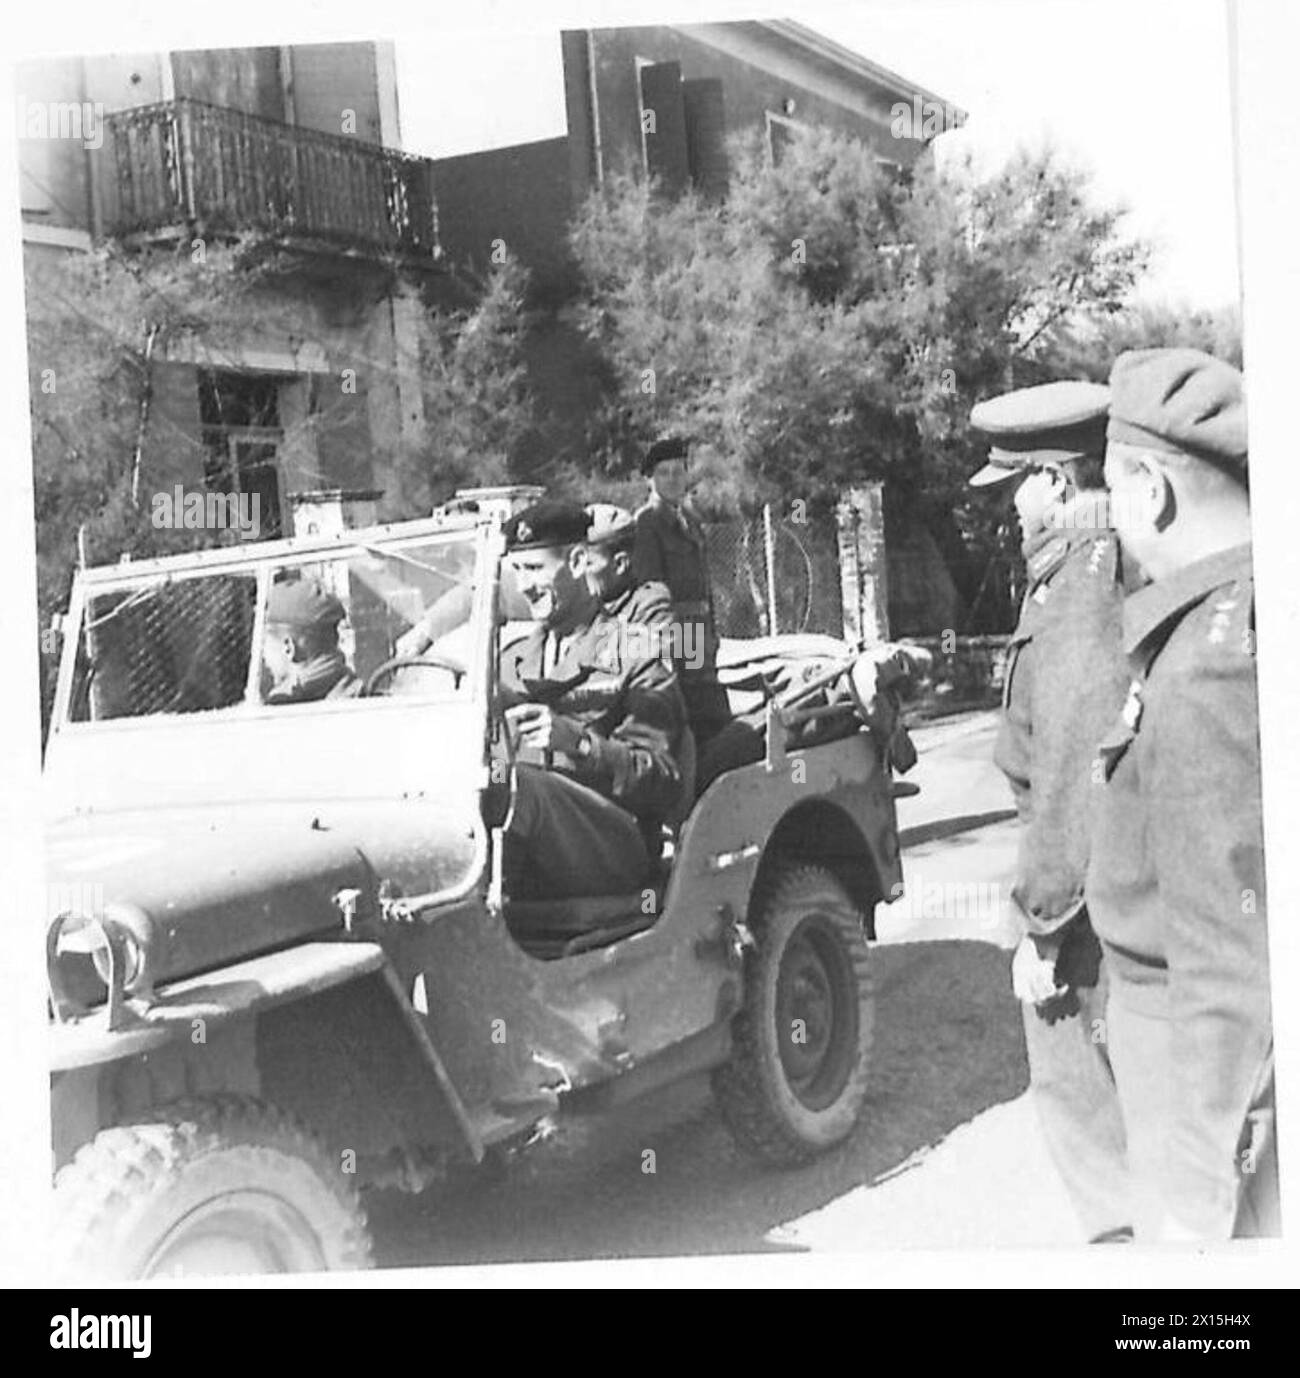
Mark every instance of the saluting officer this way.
pixel 1176 881
pixel 671 549
pixel 1065 680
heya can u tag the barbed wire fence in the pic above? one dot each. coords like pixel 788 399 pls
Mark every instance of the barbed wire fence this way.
pixel 764 564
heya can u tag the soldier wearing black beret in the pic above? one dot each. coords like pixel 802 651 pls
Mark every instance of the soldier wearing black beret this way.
pixel 548 524
pixel 1063 682
pixel 1176 880
pixel 595 717
pixel 671 549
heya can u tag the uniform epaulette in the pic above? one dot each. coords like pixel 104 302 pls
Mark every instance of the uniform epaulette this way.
pixel 1230 616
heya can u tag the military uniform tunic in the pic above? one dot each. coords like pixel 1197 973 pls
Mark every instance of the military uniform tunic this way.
pixel 581 821
pixel 1176 891
pixel 1064 682
pixel 671 550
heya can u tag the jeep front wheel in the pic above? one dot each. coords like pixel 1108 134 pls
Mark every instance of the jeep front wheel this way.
pixel 202 1187
pixel 796 1081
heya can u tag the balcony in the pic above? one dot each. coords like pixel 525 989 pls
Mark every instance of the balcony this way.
pixel 183 163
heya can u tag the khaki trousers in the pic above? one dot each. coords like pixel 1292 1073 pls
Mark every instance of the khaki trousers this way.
pixel 1140 1047
pixel 1073 1090
pixel 566 841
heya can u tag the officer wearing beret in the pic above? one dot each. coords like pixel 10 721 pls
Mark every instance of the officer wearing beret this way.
pixel 670 549
pixel 595 714
pixel 1176 879
pixel 1064 681
pixel 301 656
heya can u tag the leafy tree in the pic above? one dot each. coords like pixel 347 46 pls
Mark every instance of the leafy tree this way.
pixel 479 413
pixel 95 325
pixel 832 321
pixel 1090 347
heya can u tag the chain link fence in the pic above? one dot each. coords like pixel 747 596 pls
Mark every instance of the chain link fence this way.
pixel 172 647
pixel 802 577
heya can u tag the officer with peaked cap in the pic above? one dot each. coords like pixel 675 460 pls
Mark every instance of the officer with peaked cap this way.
pixel 671 549
pixel 301 655
pixel 594 719
pixel 1176 878
pixel 1064 680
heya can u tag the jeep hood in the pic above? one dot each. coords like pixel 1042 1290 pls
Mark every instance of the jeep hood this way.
pixel 220 884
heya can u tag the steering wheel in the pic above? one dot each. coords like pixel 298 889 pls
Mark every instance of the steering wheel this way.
pixel 431 660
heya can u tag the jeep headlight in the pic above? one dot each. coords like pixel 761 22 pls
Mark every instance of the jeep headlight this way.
pixel 92 958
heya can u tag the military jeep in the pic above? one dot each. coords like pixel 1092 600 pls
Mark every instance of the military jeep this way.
pixel 282 962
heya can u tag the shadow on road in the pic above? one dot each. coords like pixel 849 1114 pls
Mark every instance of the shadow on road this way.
pixel 943 828
pixel 948 1045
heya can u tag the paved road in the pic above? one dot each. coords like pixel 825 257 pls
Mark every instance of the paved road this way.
pixel 948 1152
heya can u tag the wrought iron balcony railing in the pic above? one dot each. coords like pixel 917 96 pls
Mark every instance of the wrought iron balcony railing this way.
pixel 181 162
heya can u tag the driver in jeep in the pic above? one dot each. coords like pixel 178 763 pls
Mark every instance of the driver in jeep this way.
pixel 301 657
pixel 593 711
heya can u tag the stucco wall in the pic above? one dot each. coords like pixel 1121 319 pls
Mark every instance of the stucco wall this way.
pixel 757 75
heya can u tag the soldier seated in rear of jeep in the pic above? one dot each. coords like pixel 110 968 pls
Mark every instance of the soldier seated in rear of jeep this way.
pixel 595 719
pixel 301 657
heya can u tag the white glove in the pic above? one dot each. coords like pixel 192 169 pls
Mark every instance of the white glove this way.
pixel 1033 972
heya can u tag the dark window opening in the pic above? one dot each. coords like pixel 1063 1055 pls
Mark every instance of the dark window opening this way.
pixel 240 418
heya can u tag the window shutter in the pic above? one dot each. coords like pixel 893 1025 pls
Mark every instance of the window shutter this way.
pixel 780 134
pixel 661 92
pixel 706 129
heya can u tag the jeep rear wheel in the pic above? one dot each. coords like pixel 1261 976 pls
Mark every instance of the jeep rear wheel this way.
pixel 796 1082
pixel 202 1187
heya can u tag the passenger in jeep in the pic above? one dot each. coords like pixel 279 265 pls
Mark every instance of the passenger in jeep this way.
pixel 301 657
pixel 595 717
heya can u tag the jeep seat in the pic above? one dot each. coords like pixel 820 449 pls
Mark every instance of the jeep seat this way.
pixel 561 928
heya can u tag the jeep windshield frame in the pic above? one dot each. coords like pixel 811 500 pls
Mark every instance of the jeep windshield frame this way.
pixel 138 582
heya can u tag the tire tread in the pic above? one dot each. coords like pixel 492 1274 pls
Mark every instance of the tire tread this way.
pixel 108 1175
pixel 738 1086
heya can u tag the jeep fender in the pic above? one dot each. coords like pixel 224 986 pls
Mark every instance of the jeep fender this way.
pixel 822 832
pixel 324 1030
pixel 840 814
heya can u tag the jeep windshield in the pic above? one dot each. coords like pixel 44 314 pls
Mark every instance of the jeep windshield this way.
pixel 271 633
